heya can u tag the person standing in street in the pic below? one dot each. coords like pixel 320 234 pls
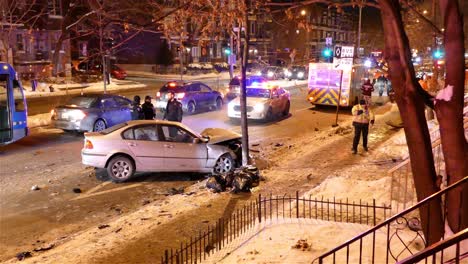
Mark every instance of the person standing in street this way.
pixel 137 112
pixel 367 88
pixel 174 110
pixel 148 109
pixel 363 115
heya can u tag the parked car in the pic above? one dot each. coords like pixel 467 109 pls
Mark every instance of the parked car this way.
pixel 157 146
pixel 273 73
pixel 235 84
pixel 93 112
pixel 94 70
pixel 194 96
pixel 297 73
pixel 263 102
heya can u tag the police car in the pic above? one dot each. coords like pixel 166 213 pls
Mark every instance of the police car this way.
pixel 264 102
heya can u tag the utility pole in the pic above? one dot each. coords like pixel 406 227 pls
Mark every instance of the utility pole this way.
pixel 243 99
pixel 103 57
pixel 359 32
pixel 231 64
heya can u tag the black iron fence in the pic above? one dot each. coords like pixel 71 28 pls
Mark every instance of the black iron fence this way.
pixel 438 251
pixel 267 209
pixel 398 237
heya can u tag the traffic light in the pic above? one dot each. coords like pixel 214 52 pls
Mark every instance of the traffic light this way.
pixel 227 51
pixel 327 52
pixel 438 54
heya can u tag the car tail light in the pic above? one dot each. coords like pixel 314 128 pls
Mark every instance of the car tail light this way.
pixel 158 94
pixel 53 114
pixel 88 144
pixel 172 84
pixel 180 95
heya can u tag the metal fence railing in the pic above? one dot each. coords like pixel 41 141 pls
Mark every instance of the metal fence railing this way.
pixel 270 208
pixel 435 253
pixel 398 235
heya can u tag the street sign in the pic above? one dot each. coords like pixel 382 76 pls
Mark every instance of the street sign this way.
pixel 347 52
pixel 337 52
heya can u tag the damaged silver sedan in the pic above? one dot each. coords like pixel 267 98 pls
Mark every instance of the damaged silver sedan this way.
pixel 160 146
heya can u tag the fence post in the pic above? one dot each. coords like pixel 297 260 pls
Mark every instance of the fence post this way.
pixel 259 208
pixel 166 256
pixel 297 204
pixel 373 204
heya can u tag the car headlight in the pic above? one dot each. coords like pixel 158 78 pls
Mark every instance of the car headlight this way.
pixel 259 73
pixel 259 107
pixel 300 74
pixel 270 74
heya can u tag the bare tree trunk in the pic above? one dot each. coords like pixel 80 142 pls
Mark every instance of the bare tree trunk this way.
pixel 450 115
pixel 411 105
pixel 56 56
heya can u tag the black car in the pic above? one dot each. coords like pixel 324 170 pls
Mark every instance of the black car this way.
pixel 273 73
pixel 297 73
pixel 194 96
pixel 235 84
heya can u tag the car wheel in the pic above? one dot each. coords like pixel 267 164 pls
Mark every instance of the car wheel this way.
pixel 99 125
pixel 191 107
pixel 286 109
pixel 224 164
pixel 120 169
pixel 219 103
pixel 269 115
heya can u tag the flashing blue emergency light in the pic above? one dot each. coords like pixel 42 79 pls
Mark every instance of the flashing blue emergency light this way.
pixel 327 52
pixel 227 51
pixel 438 54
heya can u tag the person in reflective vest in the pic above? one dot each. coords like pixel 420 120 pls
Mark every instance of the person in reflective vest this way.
pixel 363 115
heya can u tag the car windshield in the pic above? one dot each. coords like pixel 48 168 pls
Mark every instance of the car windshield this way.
pixel 298 68
pixel 272 69
pixel 255 92
pixel 82 101
pixel 112 128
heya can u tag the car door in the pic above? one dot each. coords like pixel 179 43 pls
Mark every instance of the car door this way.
pixel 275 101
pixel 109 111
pixel 181 152
pixel 144 142
pixel 195 94
pixel 125 107
pixel 208 96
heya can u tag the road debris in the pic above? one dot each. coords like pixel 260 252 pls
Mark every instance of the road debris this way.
pixel 44 248
pixel 103 226
pixel 23 255
pixel 35 188
pixel 118 230
pixel 302 245
pixel 242 179
pixel 76 190
pixel 174 191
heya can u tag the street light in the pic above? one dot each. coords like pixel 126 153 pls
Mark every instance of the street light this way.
pixel 303 12
pixel 425 12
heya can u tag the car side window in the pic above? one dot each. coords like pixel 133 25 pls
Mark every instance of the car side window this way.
pixel 205 89
pixel 280 91
pixel 195 87
pixel 147 133
pixel 176 134
pixel 108 103
pixel 122 101
pixel 128 134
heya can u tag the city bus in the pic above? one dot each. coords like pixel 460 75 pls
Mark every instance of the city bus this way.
pixel 13 108
pixel 329 83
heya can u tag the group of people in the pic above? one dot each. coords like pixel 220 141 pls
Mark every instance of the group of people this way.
pixel 381 83
pixel 146 111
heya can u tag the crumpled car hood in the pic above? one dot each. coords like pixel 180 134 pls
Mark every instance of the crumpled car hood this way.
pixel 218 135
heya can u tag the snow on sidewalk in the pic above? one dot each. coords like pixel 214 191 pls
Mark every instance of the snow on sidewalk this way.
pixel 274 241
pixel 76 88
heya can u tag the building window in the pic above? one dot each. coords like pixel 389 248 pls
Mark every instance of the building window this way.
pixel 54 7
pixel 252 28
pixel 19 42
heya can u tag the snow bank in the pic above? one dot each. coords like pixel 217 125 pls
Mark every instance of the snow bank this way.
pixel 354 189
pixel 39 120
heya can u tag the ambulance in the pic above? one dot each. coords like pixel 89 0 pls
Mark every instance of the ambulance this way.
pixel 330 83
